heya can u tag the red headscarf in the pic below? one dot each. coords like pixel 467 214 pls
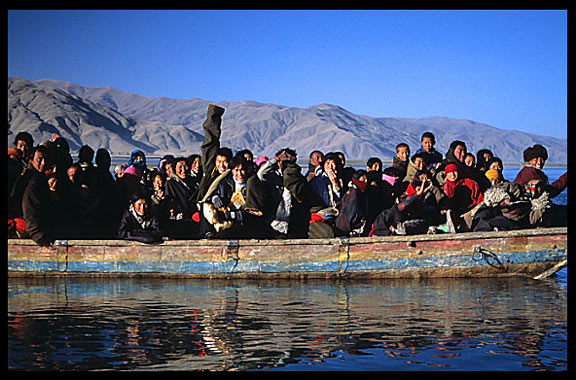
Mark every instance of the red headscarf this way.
pixel 449 186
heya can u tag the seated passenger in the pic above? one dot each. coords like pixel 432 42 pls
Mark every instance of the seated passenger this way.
pixel 534 160
pixel 462 195
pixel 329 185
pixel 353 208
pixel 138 223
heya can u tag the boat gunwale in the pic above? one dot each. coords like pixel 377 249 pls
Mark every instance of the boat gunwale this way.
pixel 461 236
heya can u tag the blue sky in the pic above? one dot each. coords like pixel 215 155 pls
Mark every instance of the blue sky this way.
pixel 504 68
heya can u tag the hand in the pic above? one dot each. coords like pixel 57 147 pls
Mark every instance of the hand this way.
pixel 217 201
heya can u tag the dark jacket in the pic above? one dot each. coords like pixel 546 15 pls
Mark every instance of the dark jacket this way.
pixel 131 229
pixel 36 209
pixel 212 130
pixel 353 213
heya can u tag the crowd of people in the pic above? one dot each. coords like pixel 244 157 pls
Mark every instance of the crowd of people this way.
pixel 220 194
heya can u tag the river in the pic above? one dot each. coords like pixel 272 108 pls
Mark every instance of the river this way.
pixel 141 324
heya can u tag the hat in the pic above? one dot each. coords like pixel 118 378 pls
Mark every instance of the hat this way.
pixel 534 152
pixel 260 160
pixel 135 171
pixel 492 174
pixel 451 168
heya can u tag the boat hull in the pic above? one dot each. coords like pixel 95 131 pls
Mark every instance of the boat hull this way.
pixel 530 253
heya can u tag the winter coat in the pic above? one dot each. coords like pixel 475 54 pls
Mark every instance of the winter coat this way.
pixel 529 173
pixel 134 227
pixel 36 209
pixel 353 213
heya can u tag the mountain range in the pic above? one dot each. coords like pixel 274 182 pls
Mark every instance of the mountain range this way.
pixel 105 117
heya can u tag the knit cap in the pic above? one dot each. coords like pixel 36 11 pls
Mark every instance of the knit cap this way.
pixel 492 174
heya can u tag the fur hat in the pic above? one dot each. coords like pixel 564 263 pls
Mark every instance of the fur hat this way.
pixel 535 151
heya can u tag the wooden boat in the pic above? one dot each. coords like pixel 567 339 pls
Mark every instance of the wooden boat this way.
pixel 535 253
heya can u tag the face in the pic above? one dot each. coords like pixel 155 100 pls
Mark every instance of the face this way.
pixel 423 177
pixel 158 182
pixel 168 169
pixel 403 153
pixel 23 147
pixel 180 169
pixel 39 161
pixel 221 163
pixel 195 165
pixel 469 160
pixel 537 162
pixel 140 206
pixel 496 166
pixel 460 153
pixel 452 176
pixel 419 163
pixel 376 167
pixel 330 166
pixel 316 158
pixel 239 173
pixel 427 144
pixel 363 178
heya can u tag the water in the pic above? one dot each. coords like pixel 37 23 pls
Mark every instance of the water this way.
pixel 385 325
pixel 143 324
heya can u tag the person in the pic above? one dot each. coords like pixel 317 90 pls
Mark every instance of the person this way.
pixel 483 156
pixel 374 164
pixel 534 160
pixel 414 213
pixel 224 203
pixel 347 171
pixel 166 165
pixel 353 208
pixel 138 223
pixel 105 184
pixel 180 188
pixel 496 164
pixel 315 160
pixel 24 143
pixel 214 161
pixel 503 207
pixel 462 195
pixel 138 160
pixel 194 163
pixel 415 164
pixel 37 207
pixel 401 158
pixel 128 185
pixel 470 160
pixel 432 158
pixel 91 218
pixel 455 155
pixel 329 184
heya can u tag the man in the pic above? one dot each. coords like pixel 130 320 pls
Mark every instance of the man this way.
pixel 534 160
pixel 36 201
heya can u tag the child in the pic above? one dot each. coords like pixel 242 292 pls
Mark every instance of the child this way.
pixel 432 157
pixel 401 157
pixel 138 223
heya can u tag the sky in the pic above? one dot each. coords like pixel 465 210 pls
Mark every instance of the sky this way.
pixel 504 68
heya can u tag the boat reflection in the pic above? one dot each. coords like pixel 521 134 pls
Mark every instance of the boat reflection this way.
pixel 162 324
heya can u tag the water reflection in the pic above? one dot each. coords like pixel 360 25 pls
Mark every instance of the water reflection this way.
pixel 143 324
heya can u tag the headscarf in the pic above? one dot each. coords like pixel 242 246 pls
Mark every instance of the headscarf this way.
pixel 135 153
pixel 449 186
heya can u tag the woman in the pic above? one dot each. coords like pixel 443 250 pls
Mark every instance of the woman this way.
pixel 329 186
pixel 353 208
pixel 138 223
pixel 180 190
pixel 461 194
